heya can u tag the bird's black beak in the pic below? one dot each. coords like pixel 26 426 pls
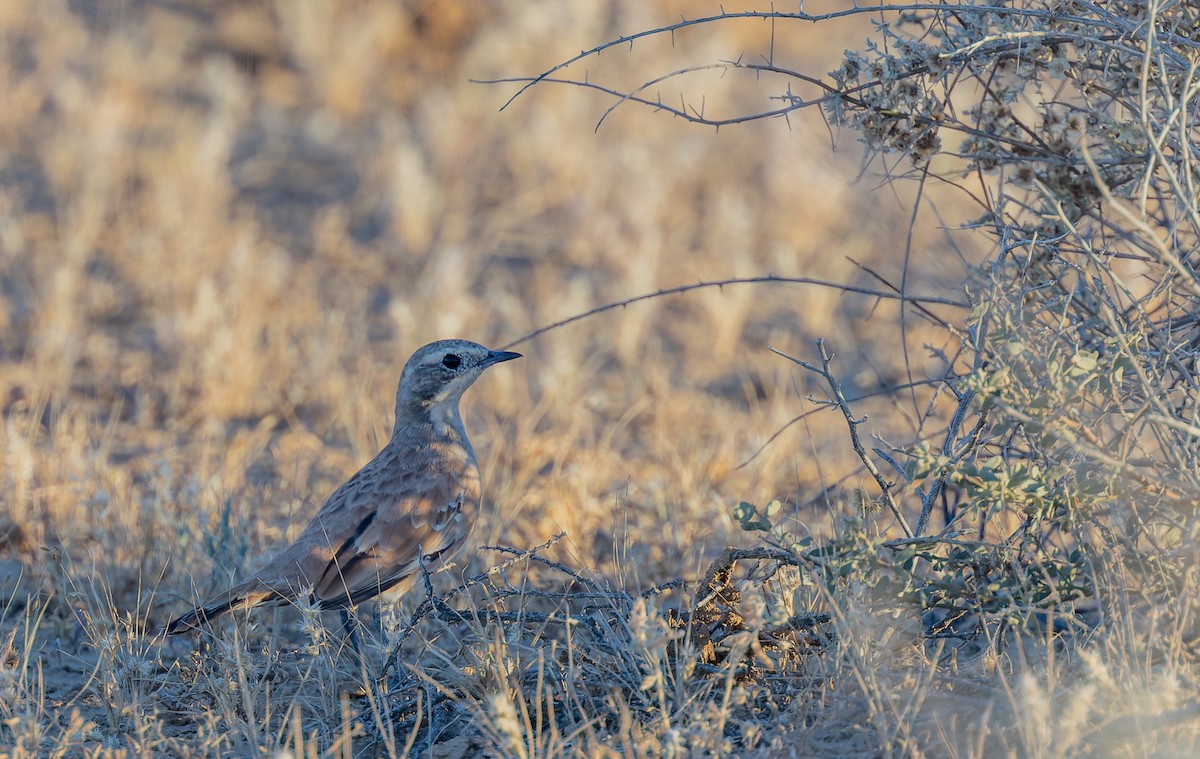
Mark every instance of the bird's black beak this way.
pixel 495 357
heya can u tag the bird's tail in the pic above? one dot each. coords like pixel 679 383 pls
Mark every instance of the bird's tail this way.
pixel 243 596
pixel 194 619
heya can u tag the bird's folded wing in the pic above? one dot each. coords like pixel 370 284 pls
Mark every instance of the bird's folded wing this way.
pixel 388 542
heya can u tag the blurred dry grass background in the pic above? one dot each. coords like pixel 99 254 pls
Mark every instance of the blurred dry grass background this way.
pixel 225 226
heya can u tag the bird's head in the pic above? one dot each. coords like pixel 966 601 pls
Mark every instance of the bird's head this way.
pixel 440 372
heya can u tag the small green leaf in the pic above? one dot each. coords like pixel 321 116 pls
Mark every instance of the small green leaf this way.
pixel 744 511
pixel 1085 361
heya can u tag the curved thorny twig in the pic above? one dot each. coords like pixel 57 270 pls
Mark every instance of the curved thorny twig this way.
pixel 722 283
pixel 1112 24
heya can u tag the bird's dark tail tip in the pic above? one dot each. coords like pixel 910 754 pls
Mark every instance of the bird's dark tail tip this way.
pixel 186 623
pixel 197 618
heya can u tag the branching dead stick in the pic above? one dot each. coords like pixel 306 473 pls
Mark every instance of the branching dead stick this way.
pixel 794 103
pixel 517 557
pixel 883 281
pixel 432 602
pixel 967 445
pixel 663 587
pixel 591 585
pixel 769 278
pixel 839 399
pixel 874 393
pixel 801 16
pixel 731 556
pixel 941 539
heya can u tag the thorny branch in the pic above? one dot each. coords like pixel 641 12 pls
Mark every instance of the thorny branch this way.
pixel 1110 23
pixel 433 602
pixel 949 444
pixel 769 278
pixel 839 400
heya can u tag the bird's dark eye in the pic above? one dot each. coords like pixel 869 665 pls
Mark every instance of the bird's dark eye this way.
pixel 451 361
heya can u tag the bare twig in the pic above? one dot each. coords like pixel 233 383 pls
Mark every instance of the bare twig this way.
pixel 800 417
pixel 839 400
pixel 949 444
pixel 433 602
pixel 532 556
pixel 850 96
pixel 769 278
pixel 1107 22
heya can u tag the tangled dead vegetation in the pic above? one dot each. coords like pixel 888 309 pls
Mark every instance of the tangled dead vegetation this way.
pixel 677 648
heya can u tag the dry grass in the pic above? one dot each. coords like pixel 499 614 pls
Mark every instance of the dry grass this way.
pixel 224 227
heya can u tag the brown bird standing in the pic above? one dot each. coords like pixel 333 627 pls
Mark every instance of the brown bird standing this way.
pixel 418 498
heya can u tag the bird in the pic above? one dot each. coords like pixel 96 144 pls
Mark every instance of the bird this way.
pixel 415 502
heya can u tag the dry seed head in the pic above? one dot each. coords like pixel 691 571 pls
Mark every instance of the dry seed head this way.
pixel 674 743
pixel 1098 670
pixel 647 628
pixel 754 607
pixel 1074 721
pixel 504 719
